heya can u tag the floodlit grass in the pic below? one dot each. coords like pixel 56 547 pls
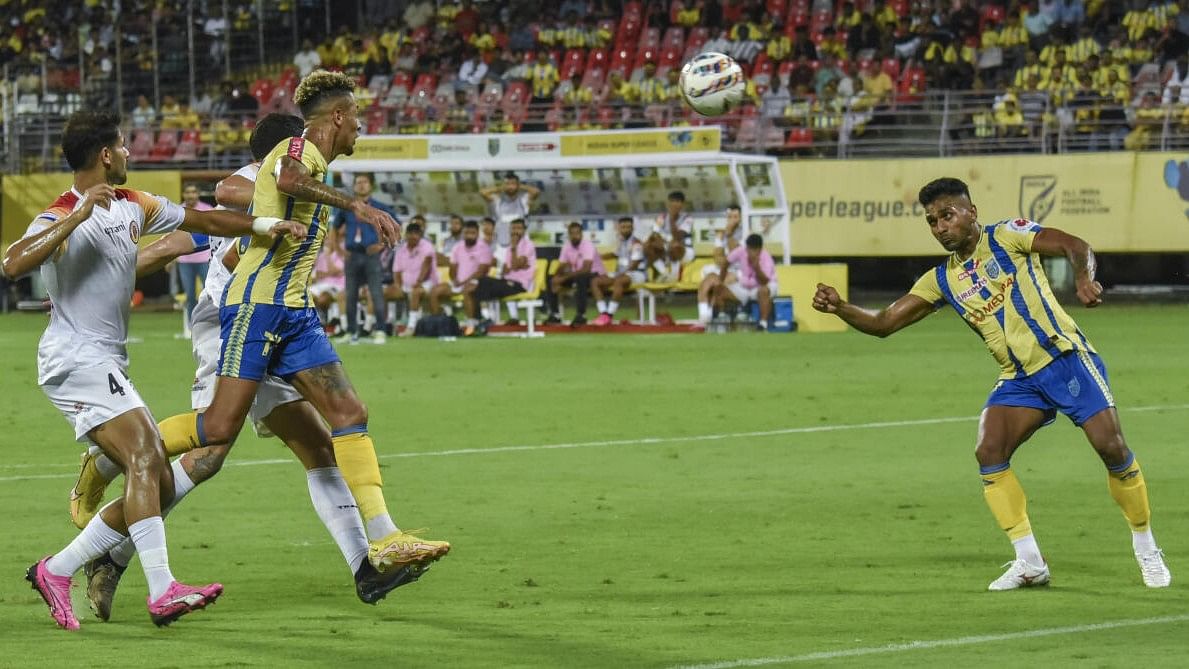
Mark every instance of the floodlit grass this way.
pixel 718 498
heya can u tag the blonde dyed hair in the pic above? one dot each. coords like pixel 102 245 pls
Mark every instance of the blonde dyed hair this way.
pixel 318 86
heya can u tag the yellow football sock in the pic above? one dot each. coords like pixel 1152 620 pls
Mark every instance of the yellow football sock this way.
pixel 1005 496
pixel 356 456
pixel 180 433
pixel 1127 486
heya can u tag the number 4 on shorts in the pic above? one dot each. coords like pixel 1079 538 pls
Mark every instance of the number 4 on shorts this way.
pixel 114 386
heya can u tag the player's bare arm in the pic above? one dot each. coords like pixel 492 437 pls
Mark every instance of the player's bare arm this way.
pixel 27 254
pixel 762 278
pixel 892 318
pixel 480 272
pixel 426 268
pixel 1054 242
pixel 235 192
pixel 490 192
pixel 160 253
pixel 295 180
pixel 234 224
pixel 533 192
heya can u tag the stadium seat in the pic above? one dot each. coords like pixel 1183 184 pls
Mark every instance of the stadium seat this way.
pixel 776 7
pixel 376 119
pixel 657 115
pixel 892 67
pixel 166 146
pixel 573 61
pixel 187 146
pixel 674 38
pixel 748 133
pixel 773 136
pixel 675 8
pixel 261 89
pixel 142 144
pixel 605 117
pixel 901 7
pixel 529 300
pixel 553 119
pixel 593 78
pixel 634 8
pixel 403 79
pixel 425 86
pixel 799 138
pixel 650 38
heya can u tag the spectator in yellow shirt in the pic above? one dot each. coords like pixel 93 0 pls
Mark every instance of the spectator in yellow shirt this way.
pixel 779 47
pixel 543 78
pixel 1009 120
pixel 651 89
pixel 571 92
pixel 1138 21
pixel 689 15
pixel 848 17
pixel 1107 64
pixel 877 84
pixel 1114 89
pixel 618 91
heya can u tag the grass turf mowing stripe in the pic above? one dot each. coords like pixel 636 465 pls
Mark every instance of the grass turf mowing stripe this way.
pixel 643 441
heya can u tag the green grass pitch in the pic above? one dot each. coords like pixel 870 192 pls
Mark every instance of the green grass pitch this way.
pixel 717 499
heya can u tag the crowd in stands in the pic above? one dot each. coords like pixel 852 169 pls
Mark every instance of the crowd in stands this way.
pixel 819 70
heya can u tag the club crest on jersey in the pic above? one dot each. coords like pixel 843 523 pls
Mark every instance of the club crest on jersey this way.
pixel 134 231
pixel 992 269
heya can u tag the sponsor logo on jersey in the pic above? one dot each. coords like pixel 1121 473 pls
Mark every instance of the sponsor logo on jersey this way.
pixel 992 305
pixel 134 231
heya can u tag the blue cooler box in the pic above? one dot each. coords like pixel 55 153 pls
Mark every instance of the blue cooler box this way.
pixel 782 314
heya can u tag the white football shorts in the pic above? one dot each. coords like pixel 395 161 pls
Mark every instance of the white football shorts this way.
pixel 91 396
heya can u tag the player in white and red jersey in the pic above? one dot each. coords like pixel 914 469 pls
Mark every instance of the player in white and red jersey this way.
pixel 85 247
pixel 279 409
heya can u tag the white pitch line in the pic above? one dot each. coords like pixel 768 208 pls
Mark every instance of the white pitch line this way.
pixel 643 441
pixel 938 643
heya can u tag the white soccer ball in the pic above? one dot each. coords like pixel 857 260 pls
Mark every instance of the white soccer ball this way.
pixel 712 83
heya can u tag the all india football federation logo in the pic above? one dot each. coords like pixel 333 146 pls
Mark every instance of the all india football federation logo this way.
pixel 1038 196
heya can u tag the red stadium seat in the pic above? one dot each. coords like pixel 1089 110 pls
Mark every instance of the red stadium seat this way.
pixel 761 65
pixel 166 146
pixel 261 89
pixel 633 9
pixel 605 117
pixel 799 138
pixel 675 8
pixel 376 119
pixel 426 85
pixel 188 145
pixel 593 78
pixel 785 69
pixel 990 13
pixel 776 7
pixel 901 7
pixel 650 38
pixel 892 67
pixel 402 78
pixel 697 37
pixel 669 58
pixel 674 38
pixel 142 144
pixel 749 132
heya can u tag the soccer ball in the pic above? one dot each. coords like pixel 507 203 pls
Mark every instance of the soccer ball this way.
pixel 712 83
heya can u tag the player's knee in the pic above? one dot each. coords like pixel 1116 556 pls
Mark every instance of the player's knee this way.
pixel 1112 448
pixel 992 452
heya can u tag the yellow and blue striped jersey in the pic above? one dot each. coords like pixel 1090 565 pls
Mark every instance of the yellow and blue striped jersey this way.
pixel 1002 293
pixel 277 271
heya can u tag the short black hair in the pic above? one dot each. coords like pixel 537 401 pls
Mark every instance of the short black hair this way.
pixel 371 178
pixel 940 188
pixel 629 219
pixel 86 134
pixel 754 241
pixel 677 195
pixel 518 221
pixel 272 130
pixel 734 207
pixel 574 224
pixel 471 224
pixel 512 175
pixel 413 228
pixel 455 217
pixel 417 217
pixel 488 219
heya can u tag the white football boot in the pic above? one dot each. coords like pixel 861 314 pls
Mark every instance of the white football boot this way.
pixel 1020 574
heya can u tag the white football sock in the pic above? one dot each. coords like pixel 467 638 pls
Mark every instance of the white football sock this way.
pixel 1143 542
pixel 612 307
pixel 96 539
pixel 513 311
pixel 182 484
pixel 1028 551
pixel 602 306
pixel 414 316
pixel 336 508
pixel 149 537
pixel 705 312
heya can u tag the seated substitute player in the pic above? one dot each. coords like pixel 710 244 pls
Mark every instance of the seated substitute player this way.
pixel 85 247
pixel 446 244
pixel 269 328
pixel 469 261
pixel 329 282
pixel 278 409
pixel 756 272
pixel 579 264
pixel 518 273
pixel 629 269
pixel 995 281
pixel 414 271
pixel 719 272
pixel 670 243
